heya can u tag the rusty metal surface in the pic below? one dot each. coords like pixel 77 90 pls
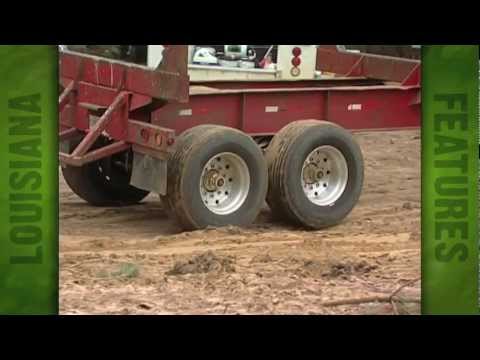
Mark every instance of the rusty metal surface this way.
pixel 153 137
pixel 321 82
pixel 100 126
pixel 109 150
pixel 146 139
pixel 399 51
pixel 387 68
pixel 175 60
pixel 68 134
pixel 65 96
pixel 169 82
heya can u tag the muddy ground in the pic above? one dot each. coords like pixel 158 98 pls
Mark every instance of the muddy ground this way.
pixel 136 261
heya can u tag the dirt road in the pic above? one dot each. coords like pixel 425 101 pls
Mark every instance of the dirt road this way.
pixel 136 261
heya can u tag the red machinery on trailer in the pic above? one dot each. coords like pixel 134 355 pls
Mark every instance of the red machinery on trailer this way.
pixel 215 150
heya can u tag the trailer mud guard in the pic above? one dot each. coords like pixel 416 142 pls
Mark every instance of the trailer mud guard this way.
pixel 149 173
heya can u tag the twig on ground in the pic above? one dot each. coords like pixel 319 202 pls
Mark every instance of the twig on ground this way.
pixel 91 261
pixel 372 299
pixel 407 284
pixel 366 300
pixel 357 301
pixel 394 307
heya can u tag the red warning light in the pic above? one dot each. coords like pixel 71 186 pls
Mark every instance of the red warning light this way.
pixel 296 51
pixel 296 62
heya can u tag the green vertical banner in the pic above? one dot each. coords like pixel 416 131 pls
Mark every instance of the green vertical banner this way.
pixel 28 180
pixel 450 179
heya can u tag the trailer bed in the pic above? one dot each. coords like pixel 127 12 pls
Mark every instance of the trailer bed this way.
pixel 263 111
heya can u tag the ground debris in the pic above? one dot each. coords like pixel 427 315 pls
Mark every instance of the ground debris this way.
pixel 407 206
pixel 226 230
pixel 261 258
pixel 204 263
pixel 347 268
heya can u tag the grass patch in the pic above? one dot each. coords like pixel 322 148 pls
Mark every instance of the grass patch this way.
pixel 127 271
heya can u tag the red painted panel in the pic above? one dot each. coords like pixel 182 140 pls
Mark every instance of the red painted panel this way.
pixel 104 96
pixel 80 120
pixel 96 95
pixel 90 71
pixel 105 74
pixel 375 109
pixel 119 74
pixel 268 113
pixel 118 127
pixel 138 101
pixel 215 109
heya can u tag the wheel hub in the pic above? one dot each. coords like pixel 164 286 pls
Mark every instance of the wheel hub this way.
pixel 225 183
pixel 211 180
pixel 324 175
pixel 312 173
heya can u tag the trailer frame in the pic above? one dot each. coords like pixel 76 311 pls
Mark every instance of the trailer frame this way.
pixel 145 109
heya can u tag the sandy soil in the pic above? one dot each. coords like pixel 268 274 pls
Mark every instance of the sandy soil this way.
pixel 136 261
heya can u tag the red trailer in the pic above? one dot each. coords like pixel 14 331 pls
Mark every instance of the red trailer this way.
pixel 215 150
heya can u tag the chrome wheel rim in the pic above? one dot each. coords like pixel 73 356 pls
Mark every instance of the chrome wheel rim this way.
pixel 324 175
pixel 225 183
